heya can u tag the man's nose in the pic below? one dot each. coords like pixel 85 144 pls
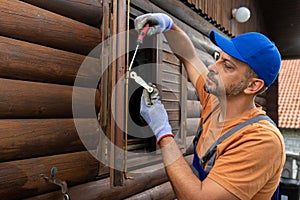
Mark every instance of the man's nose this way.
pixel 213 68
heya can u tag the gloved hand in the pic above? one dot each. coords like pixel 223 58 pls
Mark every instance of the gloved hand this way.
pixel 150 97
pixel 159 23
pixel 156 116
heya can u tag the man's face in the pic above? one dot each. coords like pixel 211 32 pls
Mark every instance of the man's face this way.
pixel 227 76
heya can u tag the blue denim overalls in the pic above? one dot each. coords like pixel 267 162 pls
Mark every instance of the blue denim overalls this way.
pixel 209 158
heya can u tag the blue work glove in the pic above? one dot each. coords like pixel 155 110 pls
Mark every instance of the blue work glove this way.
pixel 155 115
pixel 159 23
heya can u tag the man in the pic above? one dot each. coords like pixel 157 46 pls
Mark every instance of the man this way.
pixel 246 164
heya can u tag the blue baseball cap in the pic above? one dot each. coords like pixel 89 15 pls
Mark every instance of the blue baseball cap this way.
pixel 254 49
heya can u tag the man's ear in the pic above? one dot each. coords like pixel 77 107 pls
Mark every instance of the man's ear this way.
pixel 254 86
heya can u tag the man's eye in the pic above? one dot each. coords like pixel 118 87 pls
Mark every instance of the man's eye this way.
pixel 228 66
pixel 216 55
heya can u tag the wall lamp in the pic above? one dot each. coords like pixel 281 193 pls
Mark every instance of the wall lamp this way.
pixel 241 14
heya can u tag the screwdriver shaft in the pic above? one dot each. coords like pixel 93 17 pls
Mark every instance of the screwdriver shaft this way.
pixel 132 60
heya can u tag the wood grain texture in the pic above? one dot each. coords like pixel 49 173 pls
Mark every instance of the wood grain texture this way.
pixel 23 99
pixel 26 22
pixel 29 138
pixel 22 178
pixel 26 61
pixel 86 11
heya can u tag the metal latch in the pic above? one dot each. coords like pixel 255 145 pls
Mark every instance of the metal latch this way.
pixel 62 184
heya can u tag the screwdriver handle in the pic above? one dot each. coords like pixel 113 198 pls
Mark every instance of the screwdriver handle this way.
pixel 142 34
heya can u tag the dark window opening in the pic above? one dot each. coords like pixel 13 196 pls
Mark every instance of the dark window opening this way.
pixel 140 137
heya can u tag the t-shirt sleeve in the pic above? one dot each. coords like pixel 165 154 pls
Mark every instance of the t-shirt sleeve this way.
pixel 248 163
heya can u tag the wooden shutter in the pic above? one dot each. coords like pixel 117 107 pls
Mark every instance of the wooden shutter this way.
pixel 172 82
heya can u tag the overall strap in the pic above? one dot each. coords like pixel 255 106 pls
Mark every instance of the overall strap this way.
pixel 210 155
pixel 200 127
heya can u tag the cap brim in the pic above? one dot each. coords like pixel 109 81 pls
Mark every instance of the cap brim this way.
pixel 225 44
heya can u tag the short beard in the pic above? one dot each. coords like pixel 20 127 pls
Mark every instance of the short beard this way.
pixel 232 90
pixel 236 89
pixel 210 89
pixel 217 91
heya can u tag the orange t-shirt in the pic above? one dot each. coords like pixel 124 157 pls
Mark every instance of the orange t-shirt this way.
pixel 248 163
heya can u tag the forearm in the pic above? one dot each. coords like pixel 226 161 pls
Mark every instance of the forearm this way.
pixel 185 184
pixel 180 43
pixel 184 49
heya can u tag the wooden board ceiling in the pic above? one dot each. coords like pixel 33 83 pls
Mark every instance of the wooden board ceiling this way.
pixel 282 18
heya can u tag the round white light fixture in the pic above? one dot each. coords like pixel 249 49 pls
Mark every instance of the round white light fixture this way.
pixel 241 14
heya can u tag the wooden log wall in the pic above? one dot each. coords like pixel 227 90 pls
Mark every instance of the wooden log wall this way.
pixel 28 138
pixel 86 11
pixel 23 178
pixel 43 43
pixel 143 185
pixel 42 46
pixel 219 13
pixel 33 24
pixel 31 62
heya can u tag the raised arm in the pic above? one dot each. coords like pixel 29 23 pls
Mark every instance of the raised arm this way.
pixel 178 40
pixel 184 49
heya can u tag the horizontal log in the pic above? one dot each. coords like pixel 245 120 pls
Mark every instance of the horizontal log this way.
pixel 102 190
pixel 22 99
pixel 193 109
pixel 27 61
pixel 160 192
pixel 23 21
pixel 86 11
pixel 192 93
pixel 21 179
pixel 192 126
pixel 186 14
pixel 138 163
pixel 28 138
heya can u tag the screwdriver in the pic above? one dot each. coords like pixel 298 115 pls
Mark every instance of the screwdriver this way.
pixel 139 41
